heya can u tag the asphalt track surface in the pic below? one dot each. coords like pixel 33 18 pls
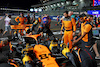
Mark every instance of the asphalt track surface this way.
pixel 3 55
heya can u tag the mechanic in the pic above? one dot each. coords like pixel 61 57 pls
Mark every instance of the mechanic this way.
pixel 29 31
pixel 84 42
pixel 86 34
pixel 28 18
pixel 70 27
pixel 21 19
pixel 95 45
pixel 39 20
pixel 45 27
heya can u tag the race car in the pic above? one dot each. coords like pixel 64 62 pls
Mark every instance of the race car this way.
pixel 34 54
pixel 61 51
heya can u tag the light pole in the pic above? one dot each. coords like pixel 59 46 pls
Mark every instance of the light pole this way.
pixel 80 5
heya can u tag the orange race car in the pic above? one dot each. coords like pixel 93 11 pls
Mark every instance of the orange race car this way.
pixel 42 53
pixel 34 54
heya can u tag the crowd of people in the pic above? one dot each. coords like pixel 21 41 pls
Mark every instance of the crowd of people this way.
pixel 85 24
pixel 21 19
pixel 69 24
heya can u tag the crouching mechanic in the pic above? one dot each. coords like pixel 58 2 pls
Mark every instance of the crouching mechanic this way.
pixel 44 27
pixel 70 27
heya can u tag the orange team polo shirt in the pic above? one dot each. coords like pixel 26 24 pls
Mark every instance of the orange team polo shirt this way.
pixel 86 27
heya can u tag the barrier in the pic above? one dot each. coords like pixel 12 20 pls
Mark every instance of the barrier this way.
pixel 51 17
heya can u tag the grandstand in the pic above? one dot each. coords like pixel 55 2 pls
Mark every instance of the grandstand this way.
pixel 57 7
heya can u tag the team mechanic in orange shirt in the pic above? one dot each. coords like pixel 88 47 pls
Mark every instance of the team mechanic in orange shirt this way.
pixel 85 41
pixel 70 27
pixel 86 37
pixel 21 19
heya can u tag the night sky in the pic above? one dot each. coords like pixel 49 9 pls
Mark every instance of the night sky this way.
pixel 21 4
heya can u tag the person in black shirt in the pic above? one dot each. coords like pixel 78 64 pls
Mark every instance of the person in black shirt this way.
pixel 28 18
